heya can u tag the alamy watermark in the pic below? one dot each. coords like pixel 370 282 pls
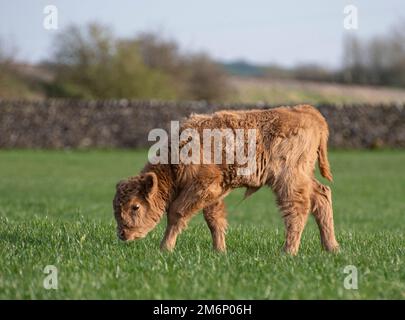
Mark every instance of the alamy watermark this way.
pixel 214 146
pixel 351 281
pixel 51 278
pixel 50 21
pixel 351 19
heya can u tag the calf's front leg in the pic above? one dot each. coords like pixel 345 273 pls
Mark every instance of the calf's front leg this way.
pixel 194 197
pixel 176 222
pixel 178 216
pixel 215 216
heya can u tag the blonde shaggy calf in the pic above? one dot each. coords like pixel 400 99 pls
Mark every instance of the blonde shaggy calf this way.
pixel 289 141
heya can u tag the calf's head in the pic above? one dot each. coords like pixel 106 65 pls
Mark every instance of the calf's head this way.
pixel 135 207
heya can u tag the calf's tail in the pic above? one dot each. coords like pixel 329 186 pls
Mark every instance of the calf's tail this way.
pixel 323 161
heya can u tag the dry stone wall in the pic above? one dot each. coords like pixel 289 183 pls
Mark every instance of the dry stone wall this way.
pixel 58 124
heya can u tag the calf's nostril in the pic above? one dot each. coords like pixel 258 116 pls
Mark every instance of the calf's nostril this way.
pixel 121 234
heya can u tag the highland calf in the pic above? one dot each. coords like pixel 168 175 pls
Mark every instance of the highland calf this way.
pixel 289 141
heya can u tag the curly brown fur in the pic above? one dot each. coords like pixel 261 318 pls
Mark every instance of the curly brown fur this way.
pixel 289 142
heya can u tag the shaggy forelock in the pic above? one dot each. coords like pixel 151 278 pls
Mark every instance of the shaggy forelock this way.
pixel 127 189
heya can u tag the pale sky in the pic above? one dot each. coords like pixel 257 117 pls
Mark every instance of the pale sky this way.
pixel 262 31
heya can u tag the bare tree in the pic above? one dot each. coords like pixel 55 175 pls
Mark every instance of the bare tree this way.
pixel 380 60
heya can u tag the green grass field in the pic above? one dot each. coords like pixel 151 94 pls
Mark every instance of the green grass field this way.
pixel 55 209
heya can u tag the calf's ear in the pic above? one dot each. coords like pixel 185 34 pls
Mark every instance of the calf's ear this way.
pixel 150 184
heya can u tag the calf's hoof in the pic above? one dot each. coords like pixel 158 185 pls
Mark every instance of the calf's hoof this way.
pixel 333 248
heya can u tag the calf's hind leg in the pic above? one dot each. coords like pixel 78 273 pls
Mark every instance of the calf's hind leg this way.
pixel 294 203
pixel 215 216
pixel 321 203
